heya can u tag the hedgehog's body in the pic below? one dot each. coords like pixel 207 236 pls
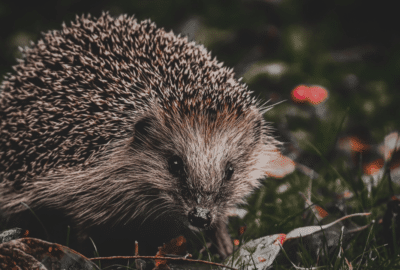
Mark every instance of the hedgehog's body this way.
pixel 110 122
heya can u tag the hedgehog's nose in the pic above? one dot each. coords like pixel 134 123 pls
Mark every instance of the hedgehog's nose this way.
pixel 200 217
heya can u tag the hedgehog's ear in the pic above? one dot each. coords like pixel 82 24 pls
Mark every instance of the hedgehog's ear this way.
pixel 142 129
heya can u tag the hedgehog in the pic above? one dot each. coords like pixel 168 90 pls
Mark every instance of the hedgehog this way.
pixel 126 132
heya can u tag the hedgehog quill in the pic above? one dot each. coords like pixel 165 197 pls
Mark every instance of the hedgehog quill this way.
pixel 127 132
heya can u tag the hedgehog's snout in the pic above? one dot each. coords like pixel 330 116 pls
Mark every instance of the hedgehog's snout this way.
pixel 200 217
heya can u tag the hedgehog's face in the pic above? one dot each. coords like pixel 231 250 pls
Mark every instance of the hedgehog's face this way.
pixel 209 163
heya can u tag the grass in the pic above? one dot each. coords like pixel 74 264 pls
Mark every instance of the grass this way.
pixel 271 212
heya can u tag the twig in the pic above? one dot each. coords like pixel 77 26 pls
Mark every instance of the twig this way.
pixel 161 258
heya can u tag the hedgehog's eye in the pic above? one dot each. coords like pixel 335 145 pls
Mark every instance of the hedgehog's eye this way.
pixel 229 171
pixel 175 165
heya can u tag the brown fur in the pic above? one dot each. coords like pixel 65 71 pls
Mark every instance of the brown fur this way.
pixel 92 113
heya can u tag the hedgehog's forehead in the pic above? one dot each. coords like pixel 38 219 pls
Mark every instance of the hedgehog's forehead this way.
pixel 211 133
pixel 207 146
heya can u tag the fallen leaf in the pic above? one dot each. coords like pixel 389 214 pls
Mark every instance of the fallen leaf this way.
pixel 260 253
pixel 32 253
